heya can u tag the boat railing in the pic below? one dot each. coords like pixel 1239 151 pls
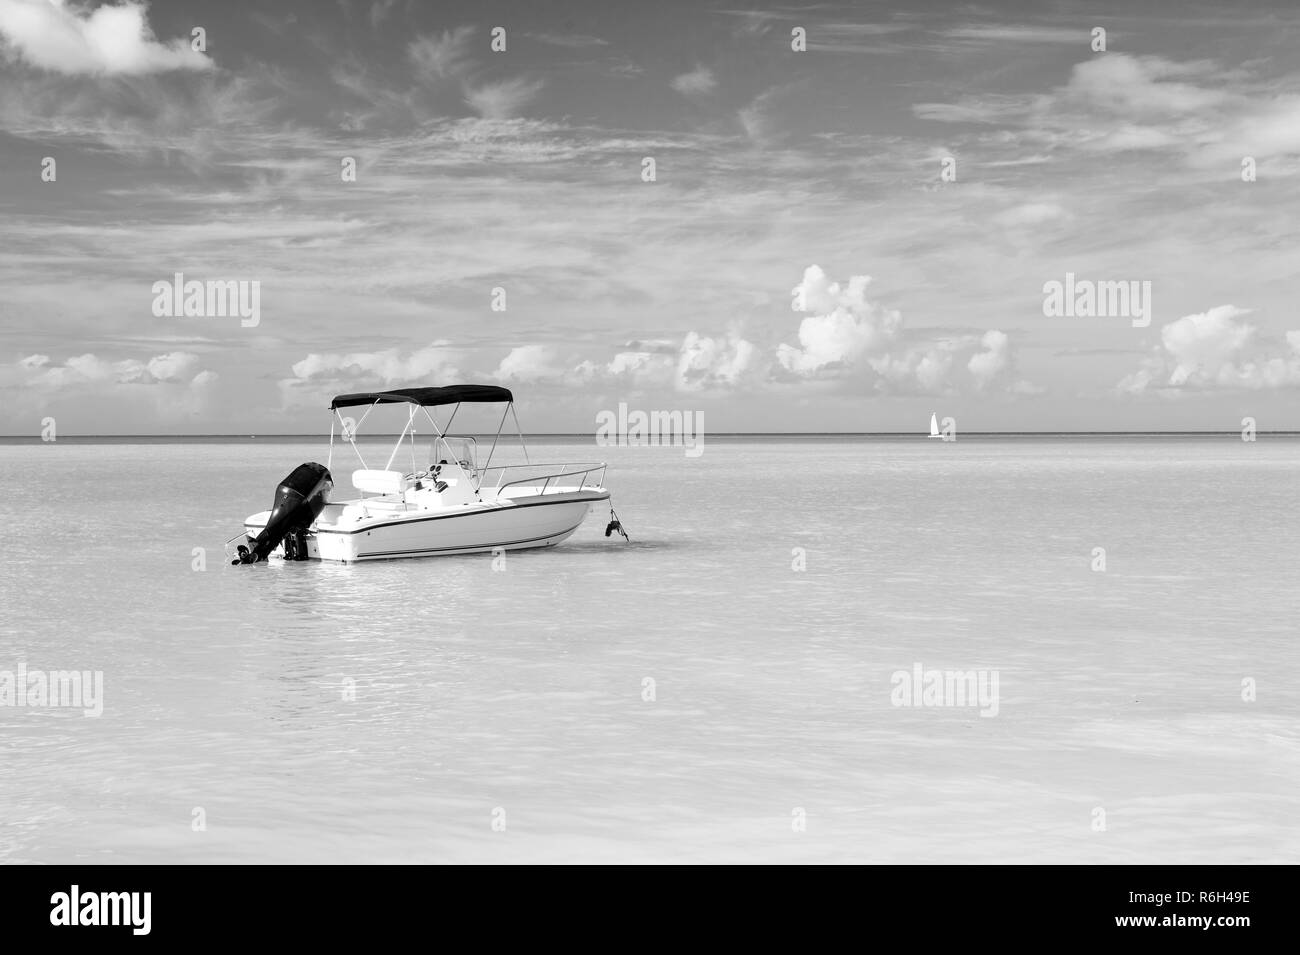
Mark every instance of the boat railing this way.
pixel 560 471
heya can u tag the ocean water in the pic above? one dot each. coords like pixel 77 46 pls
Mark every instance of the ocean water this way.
pixel 519 697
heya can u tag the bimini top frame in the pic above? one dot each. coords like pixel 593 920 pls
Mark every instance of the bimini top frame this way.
pixel 422 399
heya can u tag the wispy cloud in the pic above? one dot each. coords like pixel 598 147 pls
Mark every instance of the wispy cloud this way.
pixel 1021 33
pixel 442 56
pixel 504 99
pixel 572 40
pixel 697 81
pixel 380 11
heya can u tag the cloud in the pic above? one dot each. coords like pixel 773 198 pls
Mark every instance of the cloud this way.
pixel 1142 86
pixel 988 365
pixel 1131 91
pixel 645 367
pixel 709 364
pixel 1215 349
pixel 89 393
pixel 758 118
pixel 697 364
pixel 40 373
pixel 843 328
pixel 1269 127
pixel 698 81
pixel 1020 34
pixel 571 40
pixel 1116 102
pixel 73 39
pixel 379 11
pixel 528 363
pixel 753 23
pixel 624 67
pixel 1202 344
pixel 851 339
pixel 175 366
pixel 319 373
pixel 504 99
pixel 985 108
pixel 441 57
pixel 1029 214
pixel 855 37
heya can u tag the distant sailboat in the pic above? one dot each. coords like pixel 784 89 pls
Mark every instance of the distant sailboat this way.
pixel 934 426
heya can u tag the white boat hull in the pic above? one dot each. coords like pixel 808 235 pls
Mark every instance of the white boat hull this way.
pixel 371 529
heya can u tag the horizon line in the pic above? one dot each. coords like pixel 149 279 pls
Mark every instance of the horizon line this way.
pixel 715 434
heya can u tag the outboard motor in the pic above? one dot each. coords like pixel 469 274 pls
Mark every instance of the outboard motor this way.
pixel 298 502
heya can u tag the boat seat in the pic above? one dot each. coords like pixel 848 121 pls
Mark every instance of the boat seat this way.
pixel 380 482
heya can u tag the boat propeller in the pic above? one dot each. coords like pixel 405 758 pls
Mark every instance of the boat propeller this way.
pixel 615 525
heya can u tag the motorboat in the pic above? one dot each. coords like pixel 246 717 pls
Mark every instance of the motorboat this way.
pixel 448 504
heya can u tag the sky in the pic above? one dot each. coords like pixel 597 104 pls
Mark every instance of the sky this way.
pixel 785 218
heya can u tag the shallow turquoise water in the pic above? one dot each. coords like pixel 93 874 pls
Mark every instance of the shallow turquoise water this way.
pixel 522 690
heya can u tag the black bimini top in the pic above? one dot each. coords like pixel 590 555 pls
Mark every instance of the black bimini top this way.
pixel 428 397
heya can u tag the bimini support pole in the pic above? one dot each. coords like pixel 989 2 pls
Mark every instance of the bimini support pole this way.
pixel 520 432
pixel 433 421
pixel 351 437
pixel 410 419
pixel 500 424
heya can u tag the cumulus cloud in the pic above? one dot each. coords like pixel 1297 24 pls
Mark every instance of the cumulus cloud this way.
pixel 635 366
pixel 530 363
pixel 832 340
pixel 174 366
pixel 1201 345
pixel 40 373
pixel 849 338
pixel 72 38
pixel 987 366
pixel 700 80
pixel 706 364
pixel 844 325
pixel 698 363
pixel 435 362
pixel 92 393
pixel 1216 349
pixel 844 338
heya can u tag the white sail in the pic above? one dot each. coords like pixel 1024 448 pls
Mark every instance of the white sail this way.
pixel 934 426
